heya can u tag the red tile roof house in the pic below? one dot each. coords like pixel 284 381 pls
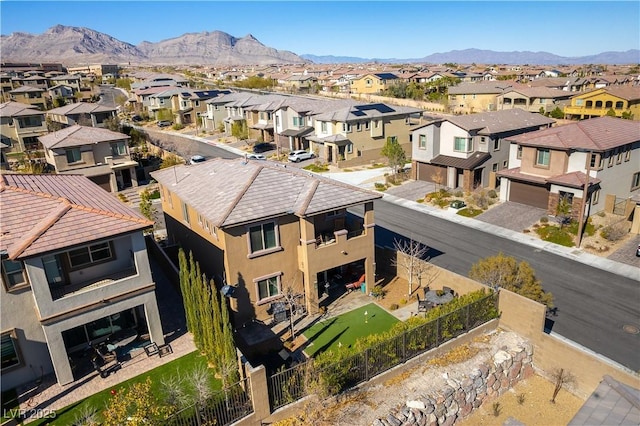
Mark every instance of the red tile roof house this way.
pixel 551 163
pixel 100 154
pixel 74 270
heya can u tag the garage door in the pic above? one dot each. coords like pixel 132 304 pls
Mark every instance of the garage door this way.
pixel 426 172
pixel 103 181
pixel 529 194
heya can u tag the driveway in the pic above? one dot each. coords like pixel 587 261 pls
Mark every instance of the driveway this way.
pixel 513 216
pixel 412 190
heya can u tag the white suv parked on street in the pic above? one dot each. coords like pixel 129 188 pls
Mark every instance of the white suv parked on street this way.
pixel 297 156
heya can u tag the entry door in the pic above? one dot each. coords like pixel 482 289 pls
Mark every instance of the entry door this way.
pixel 126 178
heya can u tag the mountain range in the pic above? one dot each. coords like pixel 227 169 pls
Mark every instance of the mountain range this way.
pixel 74 45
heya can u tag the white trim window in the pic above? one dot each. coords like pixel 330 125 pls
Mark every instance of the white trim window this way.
pixel 461 144
pixel 185 212
pixel 73 155
pixel 346 127
pixel 118 148
pixel 350 148
pixel 13 274
pixel 422 142
pixel 323 126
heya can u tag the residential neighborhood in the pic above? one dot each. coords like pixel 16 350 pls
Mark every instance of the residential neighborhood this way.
pixel 329 223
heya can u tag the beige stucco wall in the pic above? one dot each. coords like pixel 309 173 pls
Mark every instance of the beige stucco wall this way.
pixel 557 162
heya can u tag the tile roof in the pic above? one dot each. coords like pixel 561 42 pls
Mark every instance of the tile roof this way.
pixel 595 134
pixel 43 213
pixel 494 122
pixel 363 111
pixel 80 135
pixel 234 192
pixel 573 179
pixel 491 87
pixel 15 109
pixel 26 89
pixel 80 108
pixel 612 403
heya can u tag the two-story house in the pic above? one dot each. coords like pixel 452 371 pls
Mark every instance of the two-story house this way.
pixel 74 271
pixel 534 99
pixel 622 100
pixel 191 104
pixel 99 154
pixel 32 96
pixel 263 228
pixel 83 113
pixel 469 98
pixel 20 126
pixel 373 83
pixel 355 135
pixel 466 151
pixel 549 164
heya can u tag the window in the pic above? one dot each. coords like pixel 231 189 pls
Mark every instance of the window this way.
pixel 505 164
pixel 350 148
pixel 13 274
pixel 185 212
pixel 635 181
pixel 494 167
pixel 595 197
pixel 346 127
pixel 90 254
pixel 462 144
pixel 422 143
pixel 542 157
pixel 358 127
pixel 627 153
pixel 618 155
pixel 483 140
pixel 323 127
pixel 9 350
pixel 263 237
pixel 519 152
pixel 73 155
pixel 298 121
pixel 202 222
pixel 595 161
pixel 268 287
pixel 118 148
pixel 366 125
pixel 496 145
pixel 30 122
pixel 611 156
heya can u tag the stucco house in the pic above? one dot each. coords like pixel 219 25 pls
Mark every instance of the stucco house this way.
pixel 534 99
pixel 263 228
pixel 20 126
pixel 552 163
pixel 373 83
pixel 469 98
pixel 74 271
pixel 83 113
pixel 99 154
pixel 597 103
pixel 29 95
pixel 466 151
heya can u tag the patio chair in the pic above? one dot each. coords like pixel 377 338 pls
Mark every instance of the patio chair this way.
pixel 423 306
pixel 447 290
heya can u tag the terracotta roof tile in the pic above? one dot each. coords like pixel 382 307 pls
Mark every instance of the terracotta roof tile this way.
pixel 42 213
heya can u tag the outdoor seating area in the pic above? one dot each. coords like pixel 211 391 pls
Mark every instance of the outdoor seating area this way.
pixel 433 298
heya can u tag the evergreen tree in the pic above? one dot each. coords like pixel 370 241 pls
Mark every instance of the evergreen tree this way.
pixel 229 370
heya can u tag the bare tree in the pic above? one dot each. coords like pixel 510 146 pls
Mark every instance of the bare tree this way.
pixel 438 179
pixel 562 379
pixel 413 262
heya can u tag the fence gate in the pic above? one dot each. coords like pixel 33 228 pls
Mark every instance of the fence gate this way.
pixel 620 206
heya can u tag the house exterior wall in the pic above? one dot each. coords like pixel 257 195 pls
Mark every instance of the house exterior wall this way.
pixel 448 133
pixel 470 103
pixel 14 132
pixel 579 109
pixel 616 179
pixel 557 162
pixel 368 84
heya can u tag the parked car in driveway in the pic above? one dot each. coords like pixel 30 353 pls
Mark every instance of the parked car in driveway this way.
pixel 638 251
pixel 195 159
pixel 164 123
pixel 263 147
pixel 256 157
pixel 299 155
pixel 136 118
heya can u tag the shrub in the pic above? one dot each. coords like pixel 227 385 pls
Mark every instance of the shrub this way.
pixel 614 232
pixel 458 194
pixel 469 212
pixel 402 302
pixel 601 214
pixel 554 234
pixel 378 291
pixel 178 126
pixel 380 186
pixel 544 219
pixel 480 199
pixel 492 194
pixel 393 306
pixel 526 231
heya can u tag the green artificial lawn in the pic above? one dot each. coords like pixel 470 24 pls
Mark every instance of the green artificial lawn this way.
pixel 347 328
pixel 181 366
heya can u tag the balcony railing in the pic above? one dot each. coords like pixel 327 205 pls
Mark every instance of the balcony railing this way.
pixel 58 292
pixel 328 238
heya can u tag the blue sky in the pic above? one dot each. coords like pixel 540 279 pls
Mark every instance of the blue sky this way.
pixel 367 29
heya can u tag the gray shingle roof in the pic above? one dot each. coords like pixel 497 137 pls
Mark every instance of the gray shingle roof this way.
pixel 81 108
pixel 15 109
pixel 234 192
pixel 80 135
pixel 495 122
pixel 612 403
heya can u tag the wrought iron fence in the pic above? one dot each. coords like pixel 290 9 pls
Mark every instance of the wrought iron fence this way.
pixel 289 385
pixel 223 408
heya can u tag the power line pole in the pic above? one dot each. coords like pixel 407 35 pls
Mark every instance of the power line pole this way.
pixel 585 195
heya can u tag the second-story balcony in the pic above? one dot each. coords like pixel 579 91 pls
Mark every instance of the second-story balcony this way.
pixel 59 291
pixel 337 230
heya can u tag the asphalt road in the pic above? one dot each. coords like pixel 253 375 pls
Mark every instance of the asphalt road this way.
pixel 593 305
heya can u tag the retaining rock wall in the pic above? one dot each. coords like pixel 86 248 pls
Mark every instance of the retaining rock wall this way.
pixel 458 398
